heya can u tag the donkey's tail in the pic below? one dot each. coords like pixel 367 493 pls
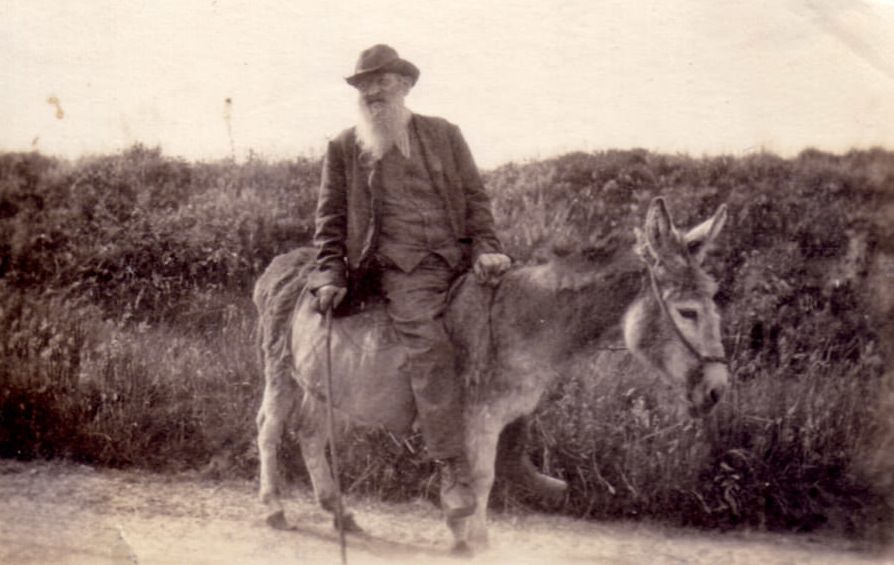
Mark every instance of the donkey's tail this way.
pixel 275 295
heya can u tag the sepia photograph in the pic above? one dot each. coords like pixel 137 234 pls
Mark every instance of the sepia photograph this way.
pixel 399 282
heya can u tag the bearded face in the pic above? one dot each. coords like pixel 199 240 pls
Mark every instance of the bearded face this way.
pixel 383 117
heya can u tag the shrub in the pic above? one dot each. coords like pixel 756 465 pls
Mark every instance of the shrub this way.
pixel 127 328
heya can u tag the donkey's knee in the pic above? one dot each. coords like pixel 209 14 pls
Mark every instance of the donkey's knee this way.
pixel 279 400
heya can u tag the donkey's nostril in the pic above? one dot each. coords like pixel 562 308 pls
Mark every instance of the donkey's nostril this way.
pixel 714 395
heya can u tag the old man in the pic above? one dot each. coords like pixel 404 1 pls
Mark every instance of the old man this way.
pixel 401 203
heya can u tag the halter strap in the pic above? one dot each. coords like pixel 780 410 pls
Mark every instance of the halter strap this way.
pixel 703 359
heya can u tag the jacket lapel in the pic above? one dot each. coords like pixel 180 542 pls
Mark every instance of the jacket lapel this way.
pixel 432 141
pixel 428 142
pixel 363 169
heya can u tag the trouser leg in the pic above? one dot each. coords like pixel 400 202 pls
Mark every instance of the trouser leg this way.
pixel 416 302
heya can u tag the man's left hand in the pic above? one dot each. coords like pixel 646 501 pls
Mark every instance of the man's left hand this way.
pixel 489 268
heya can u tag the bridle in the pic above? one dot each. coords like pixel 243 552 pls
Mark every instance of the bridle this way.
pixel 702 358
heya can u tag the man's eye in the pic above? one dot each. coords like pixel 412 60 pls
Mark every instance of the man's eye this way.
pixel 688 314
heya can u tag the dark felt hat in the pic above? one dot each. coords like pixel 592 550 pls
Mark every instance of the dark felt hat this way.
pixel 382 58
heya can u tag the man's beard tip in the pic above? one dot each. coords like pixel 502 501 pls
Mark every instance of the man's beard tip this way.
pixel 379 129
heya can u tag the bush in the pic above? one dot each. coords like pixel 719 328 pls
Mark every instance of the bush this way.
pixel 140 234
pixel 127 327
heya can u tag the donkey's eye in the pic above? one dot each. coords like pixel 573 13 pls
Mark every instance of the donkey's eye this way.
pixel 688 314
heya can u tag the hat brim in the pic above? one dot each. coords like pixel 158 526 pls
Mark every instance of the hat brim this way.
pixel 399 66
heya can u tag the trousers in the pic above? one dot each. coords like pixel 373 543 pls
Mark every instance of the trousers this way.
pixel 415 302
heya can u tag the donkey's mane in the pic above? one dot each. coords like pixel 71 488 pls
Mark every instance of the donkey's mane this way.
pixel 582 268
pixel 571 301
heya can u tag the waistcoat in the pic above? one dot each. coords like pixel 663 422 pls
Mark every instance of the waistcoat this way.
pixel 414 218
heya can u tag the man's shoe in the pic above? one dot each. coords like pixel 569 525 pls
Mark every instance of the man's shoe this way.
pixel 457 498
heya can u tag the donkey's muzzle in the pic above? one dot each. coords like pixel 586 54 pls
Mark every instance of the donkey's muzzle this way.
pixel 708 392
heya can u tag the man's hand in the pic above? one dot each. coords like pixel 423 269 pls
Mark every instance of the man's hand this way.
pixel 489 268
pixel 329 296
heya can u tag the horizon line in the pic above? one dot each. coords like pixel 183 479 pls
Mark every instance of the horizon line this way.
pixel 252 155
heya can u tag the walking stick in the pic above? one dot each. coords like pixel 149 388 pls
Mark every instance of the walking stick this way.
pixel 330 423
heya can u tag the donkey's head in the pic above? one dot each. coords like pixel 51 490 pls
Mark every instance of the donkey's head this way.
pixel 674 325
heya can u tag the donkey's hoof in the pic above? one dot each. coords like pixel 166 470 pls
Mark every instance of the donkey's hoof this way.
pixel 462 549
pixel 277 520
pixel 351 526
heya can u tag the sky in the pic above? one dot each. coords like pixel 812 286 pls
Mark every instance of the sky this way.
pixel 523 79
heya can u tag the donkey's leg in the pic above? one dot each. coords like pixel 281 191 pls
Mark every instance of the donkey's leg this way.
pixel 313 436
pixel 483 433
pixel 279 399
pixel 514 463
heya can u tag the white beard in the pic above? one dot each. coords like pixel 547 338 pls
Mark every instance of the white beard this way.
pixel 380 129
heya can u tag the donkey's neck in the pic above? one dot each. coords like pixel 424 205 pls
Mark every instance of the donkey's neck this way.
pixel 564 306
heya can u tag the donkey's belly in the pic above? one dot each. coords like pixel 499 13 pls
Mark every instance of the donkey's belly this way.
pixel 367 384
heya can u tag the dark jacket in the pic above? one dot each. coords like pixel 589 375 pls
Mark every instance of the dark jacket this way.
pixel 347 217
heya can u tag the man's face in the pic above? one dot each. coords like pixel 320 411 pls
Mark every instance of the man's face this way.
pixel 382 89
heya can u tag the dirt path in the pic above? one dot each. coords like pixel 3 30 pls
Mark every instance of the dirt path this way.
pixel 63 513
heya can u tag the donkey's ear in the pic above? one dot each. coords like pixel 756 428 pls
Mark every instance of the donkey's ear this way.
pixel 659 228
pixel 699 239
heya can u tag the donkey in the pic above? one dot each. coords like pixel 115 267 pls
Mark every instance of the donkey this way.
pixel 509 342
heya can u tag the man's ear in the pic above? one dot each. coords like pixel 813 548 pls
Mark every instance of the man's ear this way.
pixel 406 84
